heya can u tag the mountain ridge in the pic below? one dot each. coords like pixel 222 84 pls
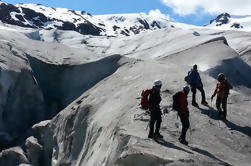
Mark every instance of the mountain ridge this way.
pixel 43 17
pixel 39 16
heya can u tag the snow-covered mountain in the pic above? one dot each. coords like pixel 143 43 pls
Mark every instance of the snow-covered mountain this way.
pixel 226 21
pixel 128 24
pixel 38 16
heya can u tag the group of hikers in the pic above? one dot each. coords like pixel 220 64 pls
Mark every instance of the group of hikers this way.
pixel 180 103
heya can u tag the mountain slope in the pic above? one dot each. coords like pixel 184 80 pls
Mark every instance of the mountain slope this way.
pixel 114 131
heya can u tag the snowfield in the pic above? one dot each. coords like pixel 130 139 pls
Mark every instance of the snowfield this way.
pixel 88 88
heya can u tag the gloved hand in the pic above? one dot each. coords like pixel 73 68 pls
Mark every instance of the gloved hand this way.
pixel 212 97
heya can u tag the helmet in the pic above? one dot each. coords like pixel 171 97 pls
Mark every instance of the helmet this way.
pixel 186 89
pixel 157 83
pixel 221 77
pixel 195 67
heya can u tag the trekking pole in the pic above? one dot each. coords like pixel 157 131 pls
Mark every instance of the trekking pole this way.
pixel 147 125
pixel 211 108
pixel 190 129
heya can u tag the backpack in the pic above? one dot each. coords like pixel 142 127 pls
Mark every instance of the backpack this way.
pixel 145 99
pixel 227 87
pixel 176 105
pixel 187 77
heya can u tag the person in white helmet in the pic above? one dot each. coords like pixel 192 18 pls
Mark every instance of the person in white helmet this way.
pixel 155 111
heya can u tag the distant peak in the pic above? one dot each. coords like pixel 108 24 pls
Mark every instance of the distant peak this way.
pixel 221 19
pixel 225 21
pixel 223 16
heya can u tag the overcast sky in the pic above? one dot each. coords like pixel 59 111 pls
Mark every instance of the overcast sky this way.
pixel 197 12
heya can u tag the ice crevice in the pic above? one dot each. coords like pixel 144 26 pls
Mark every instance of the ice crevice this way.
pixel 62 84
pixel 43 90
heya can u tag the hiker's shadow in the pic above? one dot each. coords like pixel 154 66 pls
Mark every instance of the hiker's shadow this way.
pixel 213 114
pixel 208 154
pixel 210 112
pixel 171 145
pixel 245 130
pixel 195 149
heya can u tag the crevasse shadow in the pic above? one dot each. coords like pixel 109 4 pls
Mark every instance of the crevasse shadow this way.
pixel 236 70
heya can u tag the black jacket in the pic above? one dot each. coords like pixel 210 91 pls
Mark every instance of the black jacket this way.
pixel 154 99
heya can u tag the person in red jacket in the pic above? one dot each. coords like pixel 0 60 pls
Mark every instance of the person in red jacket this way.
pixel 183 113
pixel 222 91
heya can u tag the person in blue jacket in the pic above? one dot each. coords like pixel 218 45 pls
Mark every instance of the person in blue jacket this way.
pixel 195 83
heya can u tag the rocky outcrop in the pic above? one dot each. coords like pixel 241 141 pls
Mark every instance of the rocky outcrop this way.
pixel 236 25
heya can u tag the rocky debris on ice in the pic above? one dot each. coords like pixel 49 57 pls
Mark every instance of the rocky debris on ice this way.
pixel 13 157
pixel 33 150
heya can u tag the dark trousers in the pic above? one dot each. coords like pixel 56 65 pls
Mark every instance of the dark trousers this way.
pixel 221 102
pixel 185 125
pixel 193 89
pixel 155 118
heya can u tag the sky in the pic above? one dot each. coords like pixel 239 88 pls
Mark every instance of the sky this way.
pixel 196 12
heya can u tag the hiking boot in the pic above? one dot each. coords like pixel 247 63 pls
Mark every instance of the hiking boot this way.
pixel 195 104
pixel 158 135
pixel 204 103
pixel 223 117
pixel 220 114
pixel 183 141
pixel 151 136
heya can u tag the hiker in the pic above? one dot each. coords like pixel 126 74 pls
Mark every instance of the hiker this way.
pixel 155 111
pixel 194 80
pixel 183 113
pixel 222 91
